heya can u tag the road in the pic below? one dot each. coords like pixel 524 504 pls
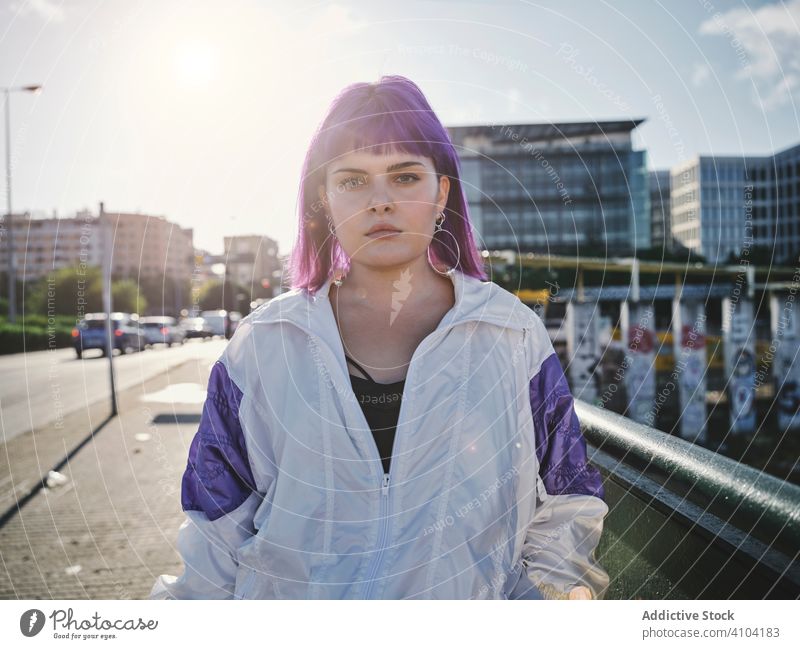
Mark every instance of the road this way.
pixel 107 528
pixel 39 388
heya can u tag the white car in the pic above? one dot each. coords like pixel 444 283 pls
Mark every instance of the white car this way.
pixel 222 323
pixel 215 321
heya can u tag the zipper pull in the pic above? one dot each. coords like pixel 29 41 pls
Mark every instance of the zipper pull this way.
pixel 385 486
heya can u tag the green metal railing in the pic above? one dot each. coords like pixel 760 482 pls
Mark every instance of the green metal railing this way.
pixel 687 523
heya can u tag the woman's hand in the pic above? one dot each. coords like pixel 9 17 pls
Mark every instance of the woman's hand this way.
pixel 580 592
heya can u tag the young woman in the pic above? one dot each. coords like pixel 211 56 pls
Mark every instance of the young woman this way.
pixel 394 426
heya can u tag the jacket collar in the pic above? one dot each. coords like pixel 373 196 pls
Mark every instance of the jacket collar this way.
pixel 475 300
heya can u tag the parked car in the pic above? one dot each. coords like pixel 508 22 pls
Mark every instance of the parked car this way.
pixel 90 333
pixel 164 330
pixel 196 328
pixel 222 322
pixel 216 321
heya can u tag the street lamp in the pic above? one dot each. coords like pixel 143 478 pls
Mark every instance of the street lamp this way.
pixel 12 280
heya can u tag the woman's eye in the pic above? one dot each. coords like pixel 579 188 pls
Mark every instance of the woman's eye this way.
pixel 352 182
pixel 412 178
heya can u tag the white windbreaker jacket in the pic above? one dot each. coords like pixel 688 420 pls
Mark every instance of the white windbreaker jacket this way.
pixel 489 495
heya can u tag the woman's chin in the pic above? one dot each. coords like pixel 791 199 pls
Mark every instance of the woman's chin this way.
pixel 386 257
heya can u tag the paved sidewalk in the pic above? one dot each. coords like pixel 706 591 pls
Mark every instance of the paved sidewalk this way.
pixel 110 530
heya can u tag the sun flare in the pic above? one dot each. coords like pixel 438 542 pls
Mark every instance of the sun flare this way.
pixel 195 63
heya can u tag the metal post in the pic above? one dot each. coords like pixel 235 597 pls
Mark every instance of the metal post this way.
pixel 105 229
pixel 750 275
pixel 12 280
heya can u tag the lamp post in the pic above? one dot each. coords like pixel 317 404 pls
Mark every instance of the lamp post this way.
pixel 12 279
pixel 108 257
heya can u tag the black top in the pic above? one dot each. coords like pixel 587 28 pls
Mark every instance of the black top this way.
pixel 380 403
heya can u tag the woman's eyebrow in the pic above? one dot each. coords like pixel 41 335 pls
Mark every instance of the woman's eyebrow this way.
pixel 389 169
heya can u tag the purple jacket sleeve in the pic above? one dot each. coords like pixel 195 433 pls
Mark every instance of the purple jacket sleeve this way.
pixel 560 445
pixel 218 477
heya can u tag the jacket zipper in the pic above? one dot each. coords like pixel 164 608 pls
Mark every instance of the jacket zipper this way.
pixel 384 505
pixel 384 513
pixel 384 516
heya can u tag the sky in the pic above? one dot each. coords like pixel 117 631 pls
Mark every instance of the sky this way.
pixel 202 111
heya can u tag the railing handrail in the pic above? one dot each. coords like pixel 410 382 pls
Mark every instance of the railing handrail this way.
pixel 772 501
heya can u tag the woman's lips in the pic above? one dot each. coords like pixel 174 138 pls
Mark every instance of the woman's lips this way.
pixel 380 234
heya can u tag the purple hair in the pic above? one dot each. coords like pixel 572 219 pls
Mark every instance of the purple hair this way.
pixel 387 116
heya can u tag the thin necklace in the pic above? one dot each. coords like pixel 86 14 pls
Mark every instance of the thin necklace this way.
pixel 341 337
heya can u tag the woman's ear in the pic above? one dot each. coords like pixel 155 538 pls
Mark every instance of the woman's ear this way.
pixel 444 192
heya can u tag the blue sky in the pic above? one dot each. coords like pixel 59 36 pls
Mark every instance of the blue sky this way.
pixel 202 111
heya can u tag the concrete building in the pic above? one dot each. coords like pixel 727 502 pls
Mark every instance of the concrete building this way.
pixel 559 188
pixel 143 246
pixel 250 260
pixel 730 206
pixel 660 226
pixel 42 245
pixel 149 246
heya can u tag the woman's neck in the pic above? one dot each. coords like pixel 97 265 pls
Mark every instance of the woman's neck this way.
pixel 386 289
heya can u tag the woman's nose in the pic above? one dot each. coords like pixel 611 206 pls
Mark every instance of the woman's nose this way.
pixel 381 207
pixel 380 200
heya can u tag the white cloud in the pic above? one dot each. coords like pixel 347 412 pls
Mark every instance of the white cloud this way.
pixel 766 43
pixel 46 9
pixel 700 73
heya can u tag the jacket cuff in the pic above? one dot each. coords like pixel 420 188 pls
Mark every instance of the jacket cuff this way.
pixel 218 477
pixel 560 544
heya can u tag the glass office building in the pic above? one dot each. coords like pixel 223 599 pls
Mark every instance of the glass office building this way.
pixel 564 188
pixel 727 207
pixel 776 205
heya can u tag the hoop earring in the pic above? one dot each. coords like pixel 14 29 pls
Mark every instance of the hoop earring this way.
pixel 438 228
pixel 338 273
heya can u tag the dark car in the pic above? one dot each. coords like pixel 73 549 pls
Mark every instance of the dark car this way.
pixel 234 318
pixel 196 328
pixel 91 333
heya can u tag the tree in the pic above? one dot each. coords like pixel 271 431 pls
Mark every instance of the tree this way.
pixel 229 296
pixel 127 297
pixel 74 291
pixel 67 291
pixel 164 295
pixel 23 288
